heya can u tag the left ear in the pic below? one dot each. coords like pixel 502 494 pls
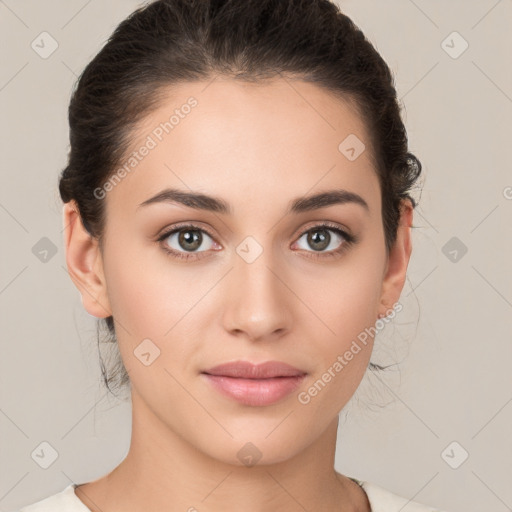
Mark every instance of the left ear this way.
pixel 398 260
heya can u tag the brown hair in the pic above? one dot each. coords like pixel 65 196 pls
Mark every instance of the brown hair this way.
pixel 171 41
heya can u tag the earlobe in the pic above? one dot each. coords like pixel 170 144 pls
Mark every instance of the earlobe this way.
pixel 84 263
pixel 398 261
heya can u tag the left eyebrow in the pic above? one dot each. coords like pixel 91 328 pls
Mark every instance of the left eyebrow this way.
pixel 299 205
pixel 325 199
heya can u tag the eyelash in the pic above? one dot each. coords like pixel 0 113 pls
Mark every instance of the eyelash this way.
pixel 349 241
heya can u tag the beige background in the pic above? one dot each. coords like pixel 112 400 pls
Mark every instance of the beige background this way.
pixel 453 339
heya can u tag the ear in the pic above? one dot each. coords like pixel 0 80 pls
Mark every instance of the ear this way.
pixel 398 260
pixel 85 263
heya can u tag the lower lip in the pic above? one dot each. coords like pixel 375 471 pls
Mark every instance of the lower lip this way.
pixel 255 392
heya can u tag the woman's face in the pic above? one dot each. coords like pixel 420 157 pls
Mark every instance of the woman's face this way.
pixel 258 280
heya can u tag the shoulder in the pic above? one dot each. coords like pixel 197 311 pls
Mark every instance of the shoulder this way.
pixel 64 501
pixel 382 500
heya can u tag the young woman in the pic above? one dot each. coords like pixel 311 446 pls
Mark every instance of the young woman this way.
pixel 238 210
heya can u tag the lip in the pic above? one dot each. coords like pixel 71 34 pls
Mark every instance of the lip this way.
pixel 255 385
pixel 248 370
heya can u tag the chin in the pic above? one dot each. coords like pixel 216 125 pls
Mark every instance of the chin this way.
pixel 255 445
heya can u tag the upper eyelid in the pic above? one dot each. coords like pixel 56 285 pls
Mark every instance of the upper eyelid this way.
pixel 324 224
pixel 171 230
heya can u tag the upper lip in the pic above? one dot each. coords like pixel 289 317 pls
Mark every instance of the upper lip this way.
pixel 247 370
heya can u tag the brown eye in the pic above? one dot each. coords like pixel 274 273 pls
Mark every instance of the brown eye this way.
pixel 184 241
pixel 325 240
pixel 320 238
pixel 190 239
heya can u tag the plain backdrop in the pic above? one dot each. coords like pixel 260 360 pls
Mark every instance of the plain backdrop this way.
pixel 436 428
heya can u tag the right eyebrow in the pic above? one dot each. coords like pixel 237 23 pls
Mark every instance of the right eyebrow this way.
pixel 191 199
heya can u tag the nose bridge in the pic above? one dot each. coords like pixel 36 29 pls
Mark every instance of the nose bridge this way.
pixel 257 303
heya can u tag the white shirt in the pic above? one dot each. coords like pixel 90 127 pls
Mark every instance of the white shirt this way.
pixel 381 500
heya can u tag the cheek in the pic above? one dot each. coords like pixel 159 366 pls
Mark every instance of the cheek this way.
pixel 346 298
pixel 146 302
pixel 154 300
pixel 143 293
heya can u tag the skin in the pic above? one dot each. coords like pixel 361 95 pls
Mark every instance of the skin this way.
pixel 256 146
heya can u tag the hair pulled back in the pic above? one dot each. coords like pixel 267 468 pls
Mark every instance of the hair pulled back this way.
pixel 168 42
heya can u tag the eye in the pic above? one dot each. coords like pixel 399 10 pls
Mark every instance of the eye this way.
pixel 320 239
pixel 185 239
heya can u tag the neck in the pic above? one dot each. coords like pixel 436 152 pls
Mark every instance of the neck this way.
pixel 162 471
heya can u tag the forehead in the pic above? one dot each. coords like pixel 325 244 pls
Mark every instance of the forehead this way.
pixel 248 141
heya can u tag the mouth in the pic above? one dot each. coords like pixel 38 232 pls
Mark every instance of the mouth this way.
pixel 255 385
pixel 247 370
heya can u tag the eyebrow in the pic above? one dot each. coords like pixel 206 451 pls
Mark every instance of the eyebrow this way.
pixel 200 201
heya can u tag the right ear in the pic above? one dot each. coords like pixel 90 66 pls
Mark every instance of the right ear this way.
pixel 85 263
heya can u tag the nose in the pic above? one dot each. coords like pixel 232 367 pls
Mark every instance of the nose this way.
pixel 258 301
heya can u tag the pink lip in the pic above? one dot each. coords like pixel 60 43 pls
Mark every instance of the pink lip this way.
pixel 255 385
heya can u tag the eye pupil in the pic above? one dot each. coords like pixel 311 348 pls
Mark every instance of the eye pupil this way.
pixel 186 238
pixel 323 239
